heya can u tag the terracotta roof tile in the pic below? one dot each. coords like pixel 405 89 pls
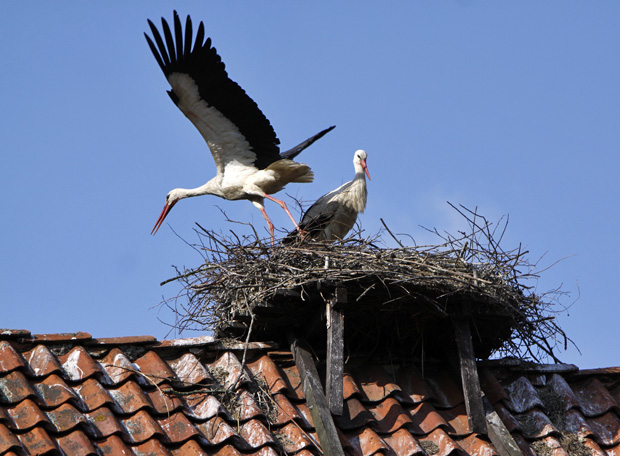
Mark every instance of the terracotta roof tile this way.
pixel 15 387
pixel 522 396
pixel 76 444
pixel 8 440
pixel 62 337
pixel 38 442
pixel 137 396
pixel 42 361
pixel 594 399
pixel 9 358
pixel 78 364
pixel 54 391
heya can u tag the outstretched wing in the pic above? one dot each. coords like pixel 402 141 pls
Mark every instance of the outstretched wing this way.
pixel 228 119
pixel 295 151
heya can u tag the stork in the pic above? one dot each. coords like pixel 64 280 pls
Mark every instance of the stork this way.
pixel 333 215
pixel 241 139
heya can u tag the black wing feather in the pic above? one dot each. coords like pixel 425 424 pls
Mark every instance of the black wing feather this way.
pixel 295 151
pixel 206 68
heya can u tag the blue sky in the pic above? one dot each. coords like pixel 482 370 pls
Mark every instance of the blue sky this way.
pixel 511 107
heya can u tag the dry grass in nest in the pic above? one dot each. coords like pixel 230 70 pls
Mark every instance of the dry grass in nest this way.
pixel 467 274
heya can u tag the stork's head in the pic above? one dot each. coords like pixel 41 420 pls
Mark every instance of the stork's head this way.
pixel 171 199
pixel 359 161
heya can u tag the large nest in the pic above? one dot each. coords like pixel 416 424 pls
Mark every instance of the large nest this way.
pixel 399 299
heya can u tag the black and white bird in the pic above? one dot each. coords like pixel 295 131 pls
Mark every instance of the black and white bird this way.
pixel 241 139
pixel 333 215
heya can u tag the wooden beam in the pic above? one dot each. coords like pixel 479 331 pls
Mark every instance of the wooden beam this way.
pixel 469 377
pixel 499 435
pixel 335 350
pixel 317 402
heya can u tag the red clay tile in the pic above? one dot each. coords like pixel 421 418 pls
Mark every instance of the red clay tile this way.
pixel 9 358
pixel 14 333
pixel 66 417
pixel 190 370
pixel 247 407
pixel 354 415
pixel 256 434
pixel 561 388
pixel 117 367
pixel 474 445
pixel 367 442
pixel 78 364
pixel 553 446
pixel 127 340
pixel 94 395
pixel 62 337
pixel 523 396
pixel 37 442
pixel 606 429
pixel 595 449
pixel 204 407
pixel 493 390
pixel 425 419
pixel 218 431
pixel 509 421
pixel 76 444
pixel 444 445
pixel 390 416
pixel 523 444
pixel 294 439
pixel 286 412
pixel 152 447
pixel 227 369
pixel 575 423
pixel 413 385
pixel 191 448
pixel 536 425
pixel 15 387
pixel 177 428
pixel 26 415
pixel 404 444
pixel 376 384
pixel 130 397
pixel 43 362
pixel 54 391
pixel 269 451
pixel 154 369
pixel 594 399
pixel 8 440
pixel 188 342
pixel 105 423
pixel 349 387
pixel 163 400
pixel 265 368
pixel 458 423
pixel 446 388
pixel 142 427
pixel 291 384
pixel 227 450
pixel 112 446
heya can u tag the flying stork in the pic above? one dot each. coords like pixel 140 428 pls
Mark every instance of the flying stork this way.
pixel 241 139
pixel 333 215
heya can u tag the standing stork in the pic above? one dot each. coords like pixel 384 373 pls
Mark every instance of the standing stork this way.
pixel 241 139
pixel 333 215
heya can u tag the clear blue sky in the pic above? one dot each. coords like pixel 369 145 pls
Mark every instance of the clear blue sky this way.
pixel 512 107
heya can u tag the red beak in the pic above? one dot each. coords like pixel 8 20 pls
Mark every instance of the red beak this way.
pixel 363 163
pixel 162 216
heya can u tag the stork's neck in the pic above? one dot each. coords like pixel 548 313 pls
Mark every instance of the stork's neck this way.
pixel 210 188
pixel 357 190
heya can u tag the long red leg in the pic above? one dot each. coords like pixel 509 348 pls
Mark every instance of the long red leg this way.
pixel 283 205
pixel 269 224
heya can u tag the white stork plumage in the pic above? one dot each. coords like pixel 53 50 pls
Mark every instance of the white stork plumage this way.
pixel 241 139
pixel 333 215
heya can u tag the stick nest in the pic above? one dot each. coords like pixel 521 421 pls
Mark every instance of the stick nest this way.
pixel 401 299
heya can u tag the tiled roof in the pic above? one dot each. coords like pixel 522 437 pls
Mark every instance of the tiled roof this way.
pixel 75 395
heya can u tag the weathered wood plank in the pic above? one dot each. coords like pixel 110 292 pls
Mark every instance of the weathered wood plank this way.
pixel 469 377
pixel 317 402
pixel 335 350
pixel 499 435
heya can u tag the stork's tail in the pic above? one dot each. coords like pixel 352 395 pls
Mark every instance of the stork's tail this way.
pixel 295 151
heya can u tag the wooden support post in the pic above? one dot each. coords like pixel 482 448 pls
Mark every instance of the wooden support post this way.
pixel 469 377
pixel 499 435
pixel 317 402
pixel 335 350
